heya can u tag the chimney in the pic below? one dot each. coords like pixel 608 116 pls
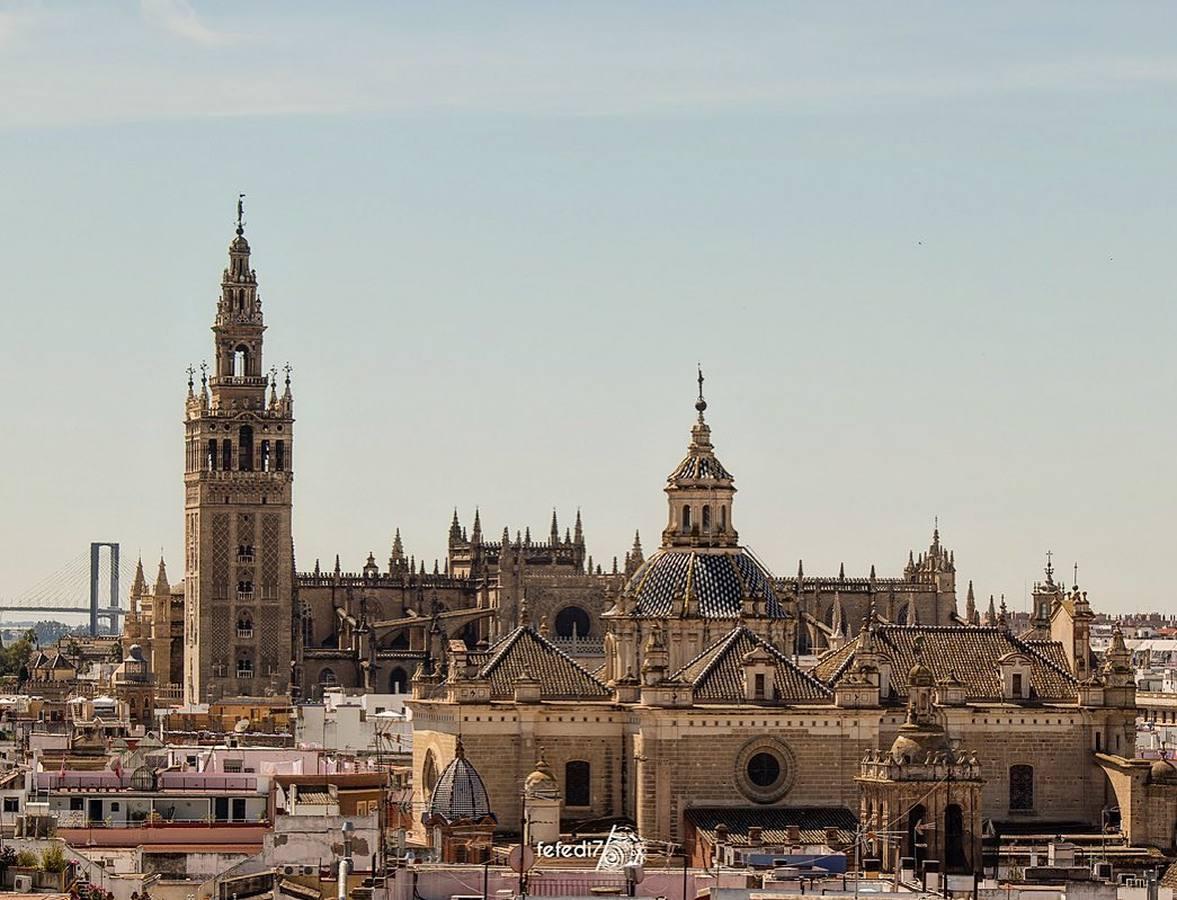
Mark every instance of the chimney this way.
pixel 755 836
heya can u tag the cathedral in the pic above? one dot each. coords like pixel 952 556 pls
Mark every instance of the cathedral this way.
pixel 667 690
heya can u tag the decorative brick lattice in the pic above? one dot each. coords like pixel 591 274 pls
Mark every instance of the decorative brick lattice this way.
pixel 219 622
pixel 270 554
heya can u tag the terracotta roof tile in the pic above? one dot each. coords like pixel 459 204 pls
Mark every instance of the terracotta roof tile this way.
pixel 775 821
pixel 717 673
pixel 969 652
pixel 559 675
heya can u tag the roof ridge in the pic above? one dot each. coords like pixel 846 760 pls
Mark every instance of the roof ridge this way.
pixel 717 650
pixel 550 646
pixel 502 646
pixel 1033 651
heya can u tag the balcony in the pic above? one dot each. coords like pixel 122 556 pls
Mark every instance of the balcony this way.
pixel 245 596
pixel 245 633
pixel 245 557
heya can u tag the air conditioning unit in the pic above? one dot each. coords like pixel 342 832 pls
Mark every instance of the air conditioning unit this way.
pixel 310 870
pixel 290 870
pixel 1102 871
pixel 22 884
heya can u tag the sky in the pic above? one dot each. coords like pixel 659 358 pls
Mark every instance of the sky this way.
pixel 922 251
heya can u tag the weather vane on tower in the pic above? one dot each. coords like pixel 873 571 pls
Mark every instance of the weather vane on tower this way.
pixel 240 214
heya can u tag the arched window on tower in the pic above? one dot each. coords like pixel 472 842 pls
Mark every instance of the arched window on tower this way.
pixel 265 456
pixel 577 783
pixel 686 518
pixel 244 667
pixel 227 454
pixel 279 456
pixel 244 626
pixel 245 448
pixel 241 361
pixel 706 518
pixel 211 460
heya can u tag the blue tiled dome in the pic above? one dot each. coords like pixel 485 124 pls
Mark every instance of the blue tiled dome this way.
pixel 459 792
pixel 718 582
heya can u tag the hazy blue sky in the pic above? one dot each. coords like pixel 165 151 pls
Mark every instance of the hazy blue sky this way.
pixel 924 252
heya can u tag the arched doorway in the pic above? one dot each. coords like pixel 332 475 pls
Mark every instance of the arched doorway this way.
pixel 398 681
pixel 572 621
pixel 954 850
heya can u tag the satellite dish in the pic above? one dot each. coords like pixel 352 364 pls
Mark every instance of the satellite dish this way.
pixel 521 858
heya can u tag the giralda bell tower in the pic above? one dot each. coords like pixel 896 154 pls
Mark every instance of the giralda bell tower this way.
pixel 238 475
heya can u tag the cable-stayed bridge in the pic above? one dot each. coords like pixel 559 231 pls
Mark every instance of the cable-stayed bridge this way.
pixel 87 584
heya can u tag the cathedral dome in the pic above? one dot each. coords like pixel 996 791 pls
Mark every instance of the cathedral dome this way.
pixel 459 792
pixel 721 584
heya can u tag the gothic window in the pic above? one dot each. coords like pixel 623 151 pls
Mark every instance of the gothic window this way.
pixel 244 667
pixel 245 448
pixel 1021 788
pixel 327 677
pixel 398 681
pixel 572 621
pixel 211 462
pixel 308 631
pixel 245 587
pixel 244 626
pixel 227 454
pixel 686 518
pixel 706 518
pixel 279 455
pixel 577 790
pixel 265 456
pixel 241 361
pixel 245 553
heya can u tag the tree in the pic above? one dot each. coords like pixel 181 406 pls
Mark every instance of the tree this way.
pixel 15 656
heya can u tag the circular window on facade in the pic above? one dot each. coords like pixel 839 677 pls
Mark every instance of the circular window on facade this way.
pixel 765 770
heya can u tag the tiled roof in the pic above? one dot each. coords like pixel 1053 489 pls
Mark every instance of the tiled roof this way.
pixel 717 673
pixel 700 466
pixel 719 582
pixel 459 792
pixel 970 652
pixel 775 821
pixel 525 650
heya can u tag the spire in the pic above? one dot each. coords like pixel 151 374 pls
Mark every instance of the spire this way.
pixel 578 533
pixel 1002 618
pixel 554 537
pixel 636 553
pixel 970 606
pixel 139 585
pixel 800 570
pixel 1049 570
pixel 476 532
pixel 991 613
pixel 506 537
pixel 455 529
pixel 163 587
pixel 398 550
pixel 841 571
pixel 337 570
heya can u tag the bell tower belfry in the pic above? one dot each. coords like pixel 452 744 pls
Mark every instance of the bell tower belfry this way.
pixel 238 549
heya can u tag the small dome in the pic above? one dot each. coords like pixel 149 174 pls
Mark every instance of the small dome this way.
pixel 459 792
pixel 541 783
pixel 1163 770
pixel 718 582
pixel 913 743
pixel 920 676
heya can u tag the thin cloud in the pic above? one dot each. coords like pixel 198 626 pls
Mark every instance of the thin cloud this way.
pixel 179 18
